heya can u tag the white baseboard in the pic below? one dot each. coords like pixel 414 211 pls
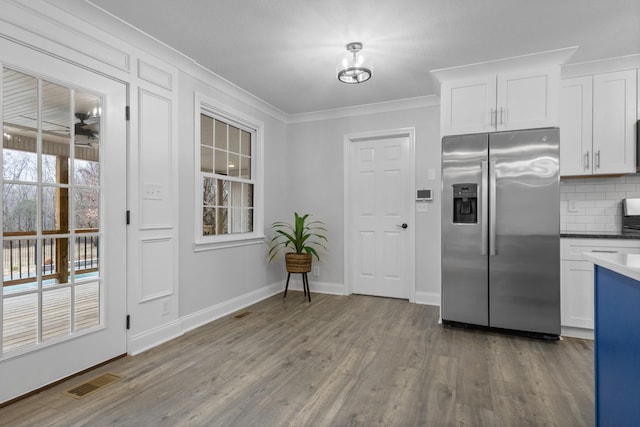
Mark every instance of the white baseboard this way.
pixel 209 314
pixel 428 298
pixel 318 287
pixel 154 337
pixel 585 334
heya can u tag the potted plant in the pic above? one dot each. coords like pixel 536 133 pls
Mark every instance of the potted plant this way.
pixel 300 241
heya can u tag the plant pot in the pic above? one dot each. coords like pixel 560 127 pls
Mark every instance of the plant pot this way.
pixel 298 263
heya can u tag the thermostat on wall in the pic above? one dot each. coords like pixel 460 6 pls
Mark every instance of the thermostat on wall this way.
pixel 424 195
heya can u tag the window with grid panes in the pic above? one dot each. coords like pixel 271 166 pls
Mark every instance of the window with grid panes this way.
pixel 227 151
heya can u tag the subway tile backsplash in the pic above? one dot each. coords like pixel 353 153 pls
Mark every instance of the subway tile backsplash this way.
pixel 595 204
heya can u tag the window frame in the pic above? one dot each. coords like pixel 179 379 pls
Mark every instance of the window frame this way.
pixel 219 111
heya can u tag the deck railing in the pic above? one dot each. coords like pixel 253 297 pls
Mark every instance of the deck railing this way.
pixel 19 258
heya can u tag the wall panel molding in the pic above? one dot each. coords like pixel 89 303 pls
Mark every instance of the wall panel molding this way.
pixel 155 268
pixel 154 75
pixel 155 160
pixel 66 30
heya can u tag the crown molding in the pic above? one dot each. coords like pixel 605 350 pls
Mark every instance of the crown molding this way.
pixel 600 66
pixel 366 109
pixel 549 58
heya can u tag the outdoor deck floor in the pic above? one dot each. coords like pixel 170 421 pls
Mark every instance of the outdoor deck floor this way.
pixel 20 315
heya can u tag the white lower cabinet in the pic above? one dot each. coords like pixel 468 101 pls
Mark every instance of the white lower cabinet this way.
pixel 576 294
pixel 576 281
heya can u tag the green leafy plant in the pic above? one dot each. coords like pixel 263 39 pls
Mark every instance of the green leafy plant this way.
pixel 302 237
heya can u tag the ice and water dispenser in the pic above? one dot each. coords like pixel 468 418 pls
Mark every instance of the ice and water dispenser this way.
pixel 465 203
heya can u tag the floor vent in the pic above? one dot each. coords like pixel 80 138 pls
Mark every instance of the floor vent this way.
pixel 92 385
pixel 241 315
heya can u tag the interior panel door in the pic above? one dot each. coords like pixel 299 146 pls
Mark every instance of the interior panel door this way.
pixel 379 177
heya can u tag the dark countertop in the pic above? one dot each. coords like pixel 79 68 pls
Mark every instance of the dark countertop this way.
pixel 600 236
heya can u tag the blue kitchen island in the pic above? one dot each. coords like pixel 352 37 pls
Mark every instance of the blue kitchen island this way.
pixel 617 338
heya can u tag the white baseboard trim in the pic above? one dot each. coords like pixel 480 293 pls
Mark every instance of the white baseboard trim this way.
pixel 428 298
pixel 209 314
pixel 317 287
pixel 569 331
pixel 154 337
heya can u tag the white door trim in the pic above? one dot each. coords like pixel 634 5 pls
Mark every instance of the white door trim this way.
pixel 348 141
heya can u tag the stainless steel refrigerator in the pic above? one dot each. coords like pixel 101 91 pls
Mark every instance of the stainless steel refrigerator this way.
pixel 501 230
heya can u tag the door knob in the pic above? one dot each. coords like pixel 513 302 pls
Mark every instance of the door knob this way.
pixel 404 225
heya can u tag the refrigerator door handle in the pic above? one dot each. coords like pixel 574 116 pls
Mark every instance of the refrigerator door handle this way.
pixel 492 208
pixel 484 206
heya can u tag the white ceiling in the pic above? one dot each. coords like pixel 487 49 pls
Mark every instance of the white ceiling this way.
pixel 286 51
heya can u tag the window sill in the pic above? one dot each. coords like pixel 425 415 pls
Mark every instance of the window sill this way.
pixel 201 246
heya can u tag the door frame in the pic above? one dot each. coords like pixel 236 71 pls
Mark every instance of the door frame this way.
pixel 348 153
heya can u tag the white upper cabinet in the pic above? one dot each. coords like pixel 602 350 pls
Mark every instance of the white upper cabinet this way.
pixel 528 99
pixel 614 117
pixel 521 92
pixel 597 124
pixel 506 101
pixel 468 106
pixel 576 106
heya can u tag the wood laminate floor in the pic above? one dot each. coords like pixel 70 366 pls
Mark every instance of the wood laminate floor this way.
pixel 339 361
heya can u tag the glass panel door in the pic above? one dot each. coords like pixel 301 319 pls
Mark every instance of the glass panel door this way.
pixel 63 301
pixel 51 211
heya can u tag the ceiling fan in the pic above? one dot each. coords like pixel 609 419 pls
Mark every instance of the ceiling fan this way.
pixel 84 126
pixel 85 130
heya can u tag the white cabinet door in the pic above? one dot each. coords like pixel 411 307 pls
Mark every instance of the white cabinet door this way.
pixel 467 106
pixel 576 294
pixel 576 106
pixel 528 99
pixel 507 101
pixel 614 116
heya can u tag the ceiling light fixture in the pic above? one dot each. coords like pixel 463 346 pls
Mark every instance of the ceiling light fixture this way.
pixel 352 69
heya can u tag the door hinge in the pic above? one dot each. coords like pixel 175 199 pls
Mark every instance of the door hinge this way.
pixel 126 113
pixel 128 322
pixel 128 217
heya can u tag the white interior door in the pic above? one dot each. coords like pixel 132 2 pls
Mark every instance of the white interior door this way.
pixel 380 197
pixel 63 214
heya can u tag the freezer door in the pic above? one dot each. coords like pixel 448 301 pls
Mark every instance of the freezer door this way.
pixel 525 270
pixel 464 244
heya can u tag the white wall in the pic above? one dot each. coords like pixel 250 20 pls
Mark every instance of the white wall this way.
pixel 213 277
pixel 315 184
